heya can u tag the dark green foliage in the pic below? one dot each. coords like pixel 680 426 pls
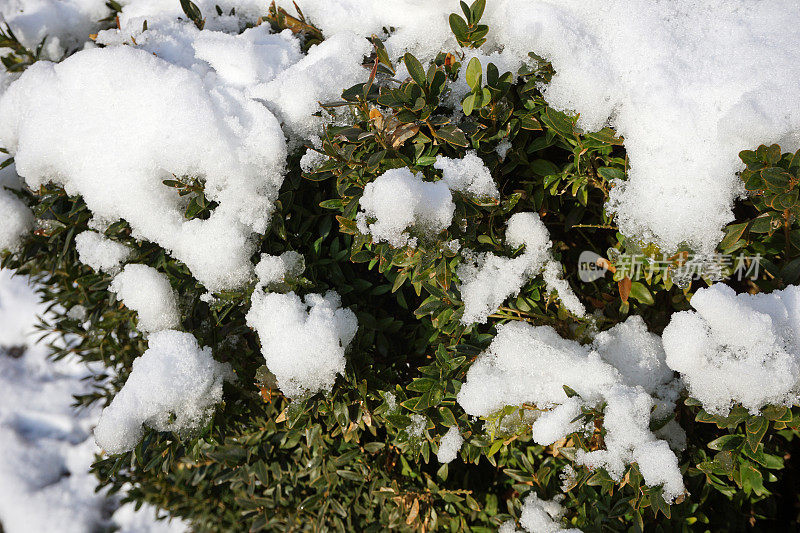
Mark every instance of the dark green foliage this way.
pixel 345 461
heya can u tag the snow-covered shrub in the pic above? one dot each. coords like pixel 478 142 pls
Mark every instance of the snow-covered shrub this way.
pixel 330 259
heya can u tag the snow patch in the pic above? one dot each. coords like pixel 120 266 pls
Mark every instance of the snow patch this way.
pixel 147 291
pixel 449 445
pixel 173 386
pixel 738 349
pixel 303 341
pixel 399 200
pixel 531 365
pixel 487 280
pixel 99 252
pixel 111 124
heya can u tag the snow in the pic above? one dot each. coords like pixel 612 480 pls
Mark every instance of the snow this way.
pixel 66 24
pixel 99 252
pixel 135 12
pixel 147 291
pixel 303 341
pixel 17 220
pixel 16 216
pixel 737 349
pixel 45 483
pixel 272 270
pixel 531 365
pixel 688 84
pixel 399 200
pixel 416 429
pixel 543 516
pixel 467 175
pixel 449 445
pixel 321 76
pixel 254 56
pixel 419 26
pixel 111 124
pixel 173 386
pixel 487 280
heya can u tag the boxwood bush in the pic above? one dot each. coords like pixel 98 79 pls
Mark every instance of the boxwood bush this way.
pixel 346 460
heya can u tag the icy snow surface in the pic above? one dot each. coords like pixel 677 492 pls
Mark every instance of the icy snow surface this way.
pixel 467 175
pixel 66 23
pixel 738 348
pixel 17 218
pixel 173 386
pixel 45 484
pixel 303 341
pixel 624 368
pixel 543 516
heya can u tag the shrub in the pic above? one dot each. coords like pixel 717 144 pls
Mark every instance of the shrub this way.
pixel 363 455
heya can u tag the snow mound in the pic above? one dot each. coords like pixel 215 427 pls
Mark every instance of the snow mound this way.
pixel 418 26
pixel 689 84
pixel 111 124
pixel 99 252
pixel 487 280
pixel 17 220
pixel 531 365
pixel 398 200
pixel 303 341
pixel 543 516
pixel 467 175
pixel 173 386
pixel 251 57
pixel 738 349
pixel 272 270
pixel 66 24
pixel 147 291
pixel 321 76
pixel 45 481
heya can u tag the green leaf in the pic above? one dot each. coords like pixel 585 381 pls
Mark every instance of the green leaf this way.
pixel 641 293
pixel 569 392
pixel 193 12
pixel 468 104
pixel 733 233
pixel 756 427
pixel 415 70
pixel 777 413
pixel 529 122
pixel 776 178
pixel 476 11
pixel 752 481
pixel 726 442
pixel 659 503
pixel 453 135
pixel 605 136
pixel 474 73
pixel 459 28
pixel 448 419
